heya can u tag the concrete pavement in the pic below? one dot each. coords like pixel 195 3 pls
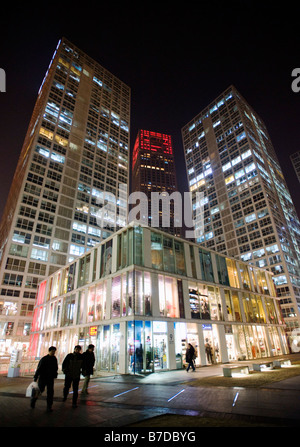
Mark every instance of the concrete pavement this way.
pixel 116 401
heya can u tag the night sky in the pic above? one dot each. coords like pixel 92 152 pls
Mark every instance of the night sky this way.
pixel 176 59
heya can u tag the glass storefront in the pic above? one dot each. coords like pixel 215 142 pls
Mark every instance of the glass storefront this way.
pixel 149 345
pixel 139 347
pixel 187 299
pixel 160 345
pixel 185 333
pixel 230 343
pixel 211 343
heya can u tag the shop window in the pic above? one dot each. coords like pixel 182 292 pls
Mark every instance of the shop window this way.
pixel 130 247
pixel 261 312
pixel 138 245
pixel 104 337
pixel 262 282
pixel 192 256
pixel 100 301
pixel 122 249
pixel 95 264
pixel 245 276
pixel 55 285
pixel 91 304
pixel 54 314
pixel 147 293
pixel 41 293
pixel 142 293
pixel 71 277
pixel 156 250
pixel 222 270
pixel 179 257
pixel 106 258
pixel 140 347
pixel 212 344
pixel 271 311
pixel 168 255
pixel 252 276
pixel 116 296
pixel 206 265
pixel 201 300
pixel 168 296
pixel 181 298
pixel 115 347
pixel 160 345
pixel 236 306
pixel 84 270
pixel 248 308
pixel 36 321
pixel 81 307
pixel 229 305
pixel 232 273
pixel 68 311
pixel 130 293
pixel 215 305
pixel 255 309
pixel 194 302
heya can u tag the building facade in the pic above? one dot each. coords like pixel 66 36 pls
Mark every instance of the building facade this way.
pixel 295 159
pixel 248 210
pixel 61 202
pixel 153 171
pixel 143 294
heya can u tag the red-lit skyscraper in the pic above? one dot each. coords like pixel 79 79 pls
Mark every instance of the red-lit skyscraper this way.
pixel 153 170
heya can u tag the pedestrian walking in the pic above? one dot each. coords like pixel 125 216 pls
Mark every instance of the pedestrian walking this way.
pixel 71 367
pixel 88 362
pixel 45 374
pixel 209 353
pixel 189 357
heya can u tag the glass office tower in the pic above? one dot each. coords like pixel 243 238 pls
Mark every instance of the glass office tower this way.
pixel 295 159
pixel 74 157
pixel 153 171
pixel 248 210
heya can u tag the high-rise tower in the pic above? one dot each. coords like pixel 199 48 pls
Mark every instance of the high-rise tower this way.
pixel 74 157
pixel 153 170
pixel 248 210
pixel 295 159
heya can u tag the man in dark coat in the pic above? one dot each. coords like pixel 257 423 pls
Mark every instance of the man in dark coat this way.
pixel 45 374
pixel 189 356
pixel 87 367
pixel 71 367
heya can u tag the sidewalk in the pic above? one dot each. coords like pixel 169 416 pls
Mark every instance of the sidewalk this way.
pixel 118 401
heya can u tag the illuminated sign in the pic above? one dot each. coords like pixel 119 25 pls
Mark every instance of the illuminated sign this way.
pixel 93 330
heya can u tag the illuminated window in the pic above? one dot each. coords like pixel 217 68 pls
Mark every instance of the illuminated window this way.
pixel 46 133
pixel 232 273
pixel 168 296
pixel 76 250
pixel 57 157
pixel 229 180
pixel 41 255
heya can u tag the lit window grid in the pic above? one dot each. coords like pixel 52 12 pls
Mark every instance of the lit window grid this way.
pixel 50 147
pixel 192 149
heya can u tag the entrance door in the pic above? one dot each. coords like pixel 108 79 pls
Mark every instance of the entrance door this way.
pixel 160 352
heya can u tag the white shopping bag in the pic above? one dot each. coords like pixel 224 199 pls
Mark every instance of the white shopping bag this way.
pixel 32 386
